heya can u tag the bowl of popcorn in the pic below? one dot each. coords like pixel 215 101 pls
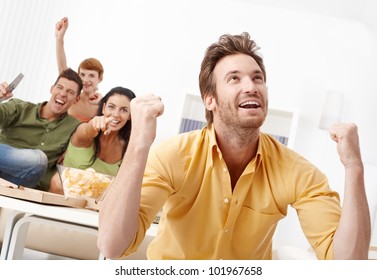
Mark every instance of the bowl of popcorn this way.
pixel 83 182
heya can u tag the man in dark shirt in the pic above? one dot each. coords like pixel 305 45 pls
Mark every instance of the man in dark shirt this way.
pixel 34 136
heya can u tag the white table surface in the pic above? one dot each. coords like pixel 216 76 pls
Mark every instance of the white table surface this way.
pixel 74 215
pixel 68 214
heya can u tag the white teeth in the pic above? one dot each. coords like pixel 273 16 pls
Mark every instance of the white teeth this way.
pixel 248 103
pixel 115 122
pixel 60 101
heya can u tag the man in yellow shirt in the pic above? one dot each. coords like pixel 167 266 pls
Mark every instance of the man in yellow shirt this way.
pixel 224 188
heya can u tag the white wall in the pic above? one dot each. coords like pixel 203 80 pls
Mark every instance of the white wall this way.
pixel 157 46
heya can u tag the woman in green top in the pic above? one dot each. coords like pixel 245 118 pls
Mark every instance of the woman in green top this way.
pixel 101 142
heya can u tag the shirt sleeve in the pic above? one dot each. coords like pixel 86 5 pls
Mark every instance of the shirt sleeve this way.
pixel 318 208
pixel 9 112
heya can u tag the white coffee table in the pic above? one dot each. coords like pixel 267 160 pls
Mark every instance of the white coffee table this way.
pixel 27 212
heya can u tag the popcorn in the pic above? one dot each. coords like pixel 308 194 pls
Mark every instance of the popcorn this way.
pixel 87 183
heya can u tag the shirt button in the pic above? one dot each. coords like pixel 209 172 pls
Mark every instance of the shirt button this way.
pixel 42 144
pixel 224 169
pixel 47 130
pixel 226 230
pixel 226 200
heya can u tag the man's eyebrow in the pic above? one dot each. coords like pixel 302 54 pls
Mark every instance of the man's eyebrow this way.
pixel 232 72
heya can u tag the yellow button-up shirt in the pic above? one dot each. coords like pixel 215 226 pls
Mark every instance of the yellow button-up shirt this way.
pixel 203 218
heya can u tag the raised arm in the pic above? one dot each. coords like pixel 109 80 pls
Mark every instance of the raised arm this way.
pixel 352 238
pixel 119 210
pixel 60 29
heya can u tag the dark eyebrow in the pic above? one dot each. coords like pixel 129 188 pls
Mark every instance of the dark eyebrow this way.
pixel 232 72
pixel 111 103
pixel 237 72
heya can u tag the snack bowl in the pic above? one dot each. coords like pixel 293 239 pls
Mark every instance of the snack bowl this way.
pixel 83 183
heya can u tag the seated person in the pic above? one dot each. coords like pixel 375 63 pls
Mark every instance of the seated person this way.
pixel 34 136
pixel 101 142
pixel 91 73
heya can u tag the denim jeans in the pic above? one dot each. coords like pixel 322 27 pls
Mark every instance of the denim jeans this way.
pixel 24 167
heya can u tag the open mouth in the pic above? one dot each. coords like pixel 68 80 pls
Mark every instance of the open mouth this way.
pixel 59 102
pixel 114 122
pixel 249 105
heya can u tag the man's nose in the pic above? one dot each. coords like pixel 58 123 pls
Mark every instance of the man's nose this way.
pixel 249 85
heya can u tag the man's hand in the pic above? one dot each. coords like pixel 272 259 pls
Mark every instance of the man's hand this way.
pixel 144 113
pixel 347 139
pixel 5 92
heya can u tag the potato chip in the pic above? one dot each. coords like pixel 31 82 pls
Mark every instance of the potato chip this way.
pixel 87 183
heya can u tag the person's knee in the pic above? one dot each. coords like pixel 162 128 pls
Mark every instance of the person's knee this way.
pixel 23 166
pixel 35 168
pixel 36 164
pixel 42 162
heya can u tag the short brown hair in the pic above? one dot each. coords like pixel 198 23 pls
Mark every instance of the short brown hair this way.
pixel 226 45
pixel 71 75
pixel 92 64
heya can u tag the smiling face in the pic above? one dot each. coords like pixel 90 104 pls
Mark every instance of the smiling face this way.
pixel 117 108
pixel 242 99
pixel 90 80
pixel 63 95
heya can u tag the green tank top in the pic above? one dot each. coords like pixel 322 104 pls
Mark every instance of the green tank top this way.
pixel 78 157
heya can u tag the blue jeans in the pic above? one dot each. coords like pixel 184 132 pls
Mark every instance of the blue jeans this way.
pixel 24 167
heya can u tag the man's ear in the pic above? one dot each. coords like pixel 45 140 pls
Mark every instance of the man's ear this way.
pixel 209 102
